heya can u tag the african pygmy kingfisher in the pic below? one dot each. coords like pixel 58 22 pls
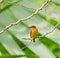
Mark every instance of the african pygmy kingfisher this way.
pixel 33 33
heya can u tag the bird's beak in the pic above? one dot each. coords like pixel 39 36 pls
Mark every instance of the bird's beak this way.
pixel 30 27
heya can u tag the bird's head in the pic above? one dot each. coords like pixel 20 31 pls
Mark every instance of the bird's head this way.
pixel 32 27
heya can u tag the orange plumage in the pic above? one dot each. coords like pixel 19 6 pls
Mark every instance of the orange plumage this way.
pixel 33 33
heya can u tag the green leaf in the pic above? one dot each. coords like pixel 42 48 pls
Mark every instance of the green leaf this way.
pixel 11 42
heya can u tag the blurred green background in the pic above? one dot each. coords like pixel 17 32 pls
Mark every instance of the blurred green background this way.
pixel 11 42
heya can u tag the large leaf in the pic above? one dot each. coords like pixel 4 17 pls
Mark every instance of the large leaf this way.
pixel 11 42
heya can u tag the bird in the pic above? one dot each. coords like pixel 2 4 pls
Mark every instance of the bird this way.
pixel 33 33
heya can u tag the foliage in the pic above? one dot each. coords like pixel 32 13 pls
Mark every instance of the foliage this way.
pixel 11 42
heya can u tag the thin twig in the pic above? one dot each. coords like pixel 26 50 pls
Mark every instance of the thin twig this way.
pixel 26 38
pixel 51 30
pixel 25 6
pixel 24 19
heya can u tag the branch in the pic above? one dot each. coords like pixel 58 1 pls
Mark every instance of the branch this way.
pixel 51 30
pixel 25 6
pixel 24 19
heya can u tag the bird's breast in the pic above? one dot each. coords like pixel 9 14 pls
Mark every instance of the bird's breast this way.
pixel 34 33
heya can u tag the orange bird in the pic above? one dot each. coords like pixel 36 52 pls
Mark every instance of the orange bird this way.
pixel 33 33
